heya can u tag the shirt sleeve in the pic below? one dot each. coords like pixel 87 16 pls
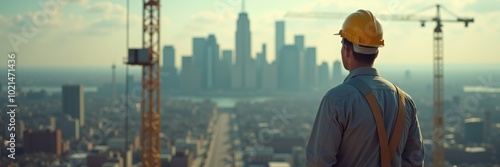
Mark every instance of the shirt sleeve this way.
pixel 413 153
pixel 326 135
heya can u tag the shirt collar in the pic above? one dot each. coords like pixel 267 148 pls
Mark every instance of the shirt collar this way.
pixel 362 71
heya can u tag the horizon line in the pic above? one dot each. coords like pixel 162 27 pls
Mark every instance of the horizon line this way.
pixel 123 65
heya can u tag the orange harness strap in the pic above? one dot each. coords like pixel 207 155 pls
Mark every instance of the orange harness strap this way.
pixel 387 148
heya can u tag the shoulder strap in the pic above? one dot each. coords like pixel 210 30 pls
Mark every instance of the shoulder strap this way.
pixel 387 151
pixel 400 123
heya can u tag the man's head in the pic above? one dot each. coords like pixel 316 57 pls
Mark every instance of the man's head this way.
pixel 354 55
pixel 362 35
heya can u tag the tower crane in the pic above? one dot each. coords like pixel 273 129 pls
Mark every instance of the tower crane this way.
pixel 148 58
pixel 437 57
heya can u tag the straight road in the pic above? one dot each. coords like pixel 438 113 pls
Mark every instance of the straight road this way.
pixel 222 142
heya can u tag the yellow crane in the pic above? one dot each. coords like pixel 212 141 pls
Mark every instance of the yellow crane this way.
pixel 438 61
pixel 148 57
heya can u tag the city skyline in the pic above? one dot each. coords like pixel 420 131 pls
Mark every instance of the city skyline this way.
pixel 236 83
pixel 84 30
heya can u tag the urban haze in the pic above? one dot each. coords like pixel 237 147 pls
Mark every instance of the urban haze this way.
pixel 240 83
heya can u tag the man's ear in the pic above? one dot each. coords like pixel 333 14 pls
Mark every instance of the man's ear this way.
pixel 347 50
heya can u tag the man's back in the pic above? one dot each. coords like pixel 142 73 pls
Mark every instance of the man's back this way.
pixel 344 133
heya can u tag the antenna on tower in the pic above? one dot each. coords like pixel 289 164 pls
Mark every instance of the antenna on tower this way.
pixel 242 6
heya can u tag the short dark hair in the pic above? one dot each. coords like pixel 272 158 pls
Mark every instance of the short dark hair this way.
pixel 364 58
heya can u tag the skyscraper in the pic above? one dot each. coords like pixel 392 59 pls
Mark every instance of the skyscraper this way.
pixel 473 131
pixel 310 76
pixel 243 40
pixel 199 60
pixel 300 44
pixel 268 78
pixel 250 73
pixel 209 72
pixel 73 102
pixel 236 76
pixel 199 51
pixel 260 62
pixel 69 127
pixel 289 68
pixel 170 77
pixel 42 141
pixel 223 71
pixel 279 36
pixel 227 56
pixel 222 79
pixel 187 62
pixel 323 74
pixel 337 72
pixel 261 57
pixel 168 56
pixel 190 77
pixel 243 51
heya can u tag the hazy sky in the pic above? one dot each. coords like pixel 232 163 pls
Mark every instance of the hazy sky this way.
pixel 92 32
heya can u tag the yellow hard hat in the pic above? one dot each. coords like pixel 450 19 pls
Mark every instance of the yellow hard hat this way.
pixel 362 28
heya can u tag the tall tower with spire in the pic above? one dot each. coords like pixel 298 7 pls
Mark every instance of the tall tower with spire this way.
pixel 245 67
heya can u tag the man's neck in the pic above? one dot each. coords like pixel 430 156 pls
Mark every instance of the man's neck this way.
pixel 355 66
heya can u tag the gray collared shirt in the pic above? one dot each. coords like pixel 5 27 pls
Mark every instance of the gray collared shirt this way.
pixel 344 132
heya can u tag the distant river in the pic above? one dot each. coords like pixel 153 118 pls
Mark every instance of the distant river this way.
pixel 481 89
pixel 226 102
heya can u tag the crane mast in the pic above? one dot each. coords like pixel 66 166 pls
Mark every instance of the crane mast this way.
pixel 150 103
pixel 438 92
pixel 148 57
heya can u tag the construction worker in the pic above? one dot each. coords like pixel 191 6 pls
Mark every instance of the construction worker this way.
pixel 365 121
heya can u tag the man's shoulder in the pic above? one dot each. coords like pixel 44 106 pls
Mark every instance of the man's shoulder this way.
pixel 345 89
pixel 407 96
pixel 340 91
